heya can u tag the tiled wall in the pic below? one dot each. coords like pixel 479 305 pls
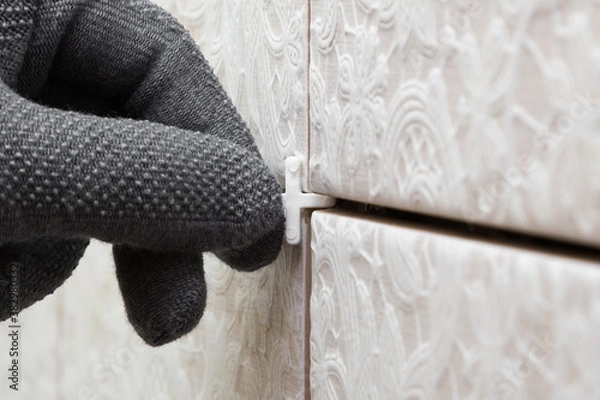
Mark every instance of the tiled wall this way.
pixel 479 111
pixel 400 311
pixel 77 343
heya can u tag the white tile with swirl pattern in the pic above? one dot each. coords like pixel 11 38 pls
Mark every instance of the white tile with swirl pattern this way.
pixel 259 51
pixel 403 312
pixel 251 341
pixel 481 111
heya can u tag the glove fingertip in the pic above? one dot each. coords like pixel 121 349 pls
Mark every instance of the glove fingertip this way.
pixel 164 292
pixel 259 254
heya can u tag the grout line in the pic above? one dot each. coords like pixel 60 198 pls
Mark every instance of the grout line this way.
pixel 307 258
pixel 493 235
pixel 306 248
pixel 308 99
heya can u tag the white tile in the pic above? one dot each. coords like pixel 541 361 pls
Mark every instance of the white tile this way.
pixel 77 343
pixel 259 51
pixel 480 111
pixel 400 312
pixel 251 341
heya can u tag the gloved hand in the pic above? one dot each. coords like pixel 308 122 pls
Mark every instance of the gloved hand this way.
pixel 113 126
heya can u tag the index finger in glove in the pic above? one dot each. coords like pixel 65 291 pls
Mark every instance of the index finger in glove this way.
pixel 122 181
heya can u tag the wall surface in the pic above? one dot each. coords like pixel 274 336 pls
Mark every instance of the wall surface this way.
pixel 480 111
pixel 484 112
pixel 77 343
pixel 401 311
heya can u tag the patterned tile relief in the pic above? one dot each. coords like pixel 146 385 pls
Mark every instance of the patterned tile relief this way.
pixel 250 344
pixel 251 341
pixel 480 111
pixel 259 51
pixel 404 313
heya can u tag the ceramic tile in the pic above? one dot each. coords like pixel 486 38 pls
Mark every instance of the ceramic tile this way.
pixel 399 312
pixel 481 111
pixel 251 341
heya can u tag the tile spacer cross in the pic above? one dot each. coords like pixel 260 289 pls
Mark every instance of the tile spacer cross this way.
pixel 295 200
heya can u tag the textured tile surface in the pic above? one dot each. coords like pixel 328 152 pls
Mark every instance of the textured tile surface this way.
pixel 259 51
pixel 251 342
pixel 482 111
pixel 404 313
pixel 77 344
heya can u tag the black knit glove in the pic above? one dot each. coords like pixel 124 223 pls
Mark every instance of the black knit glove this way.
pixel 113 126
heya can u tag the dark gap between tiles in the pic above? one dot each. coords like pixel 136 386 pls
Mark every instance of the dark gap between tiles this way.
pixel 475 232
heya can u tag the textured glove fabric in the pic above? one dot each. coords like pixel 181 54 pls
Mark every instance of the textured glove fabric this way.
pixel 146 279
pixel 113 126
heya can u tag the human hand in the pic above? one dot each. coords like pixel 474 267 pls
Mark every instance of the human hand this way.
pixel 113 126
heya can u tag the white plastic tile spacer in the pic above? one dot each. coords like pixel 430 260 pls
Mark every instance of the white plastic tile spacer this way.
pixel 294 200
